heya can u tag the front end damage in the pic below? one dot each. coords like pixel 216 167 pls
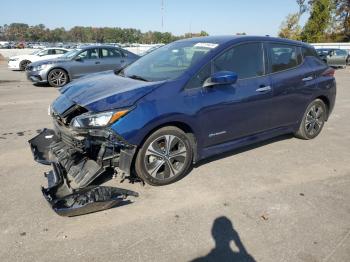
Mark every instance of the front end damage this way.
pixel 78 158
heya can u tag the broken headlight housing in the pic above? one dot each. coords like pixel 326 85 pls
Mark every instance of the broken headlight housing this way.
pixel 89 120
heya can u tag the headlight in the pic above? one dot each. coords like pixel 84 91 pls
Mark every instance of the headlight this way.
pixel 98 120
pixel 39 67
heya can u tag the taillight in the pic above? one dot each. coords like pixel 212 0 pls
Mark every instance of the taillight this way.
pixel 329 72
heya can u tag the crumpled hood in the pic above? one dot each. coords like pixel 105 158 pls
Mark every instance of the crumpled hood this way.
pixel 105 91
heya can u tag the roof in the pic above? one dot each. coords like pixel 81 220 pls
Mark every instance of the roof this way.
pixel 232 38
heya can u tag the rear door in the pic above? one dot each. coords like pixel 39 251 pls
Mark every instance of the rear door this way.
pixel 112 58
pixel 292 80
pixel 89 62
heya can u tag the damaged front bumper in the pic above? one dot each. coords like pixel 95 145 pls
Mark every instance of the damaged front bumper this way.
pixel 77 159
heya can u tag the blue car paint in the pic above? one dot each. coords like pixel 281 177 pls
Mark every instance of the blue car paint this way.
pixel 221 118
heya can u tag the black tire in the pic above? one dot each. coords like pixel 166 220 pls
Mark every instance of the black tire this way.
pixel 57 77
pixel 156 164
pixel 313 120
pixel 23 65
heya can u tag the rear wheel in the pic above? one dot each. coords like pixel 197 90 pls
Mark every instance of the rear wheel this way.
pixel 23 65
pixel 57 77
pixel 165 157
pixel 313 120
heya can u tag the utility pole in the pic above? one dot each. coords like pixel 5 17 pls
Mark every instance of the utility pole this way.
pixel 162 10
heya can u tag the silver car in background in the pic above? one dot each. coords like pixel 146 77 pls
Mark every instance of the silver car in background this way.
pixel 77 63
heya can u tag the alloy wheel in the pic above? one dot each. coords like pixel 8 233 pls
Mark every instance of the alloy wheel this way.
pixel 314 120
pixel 58 77
pixel 165 157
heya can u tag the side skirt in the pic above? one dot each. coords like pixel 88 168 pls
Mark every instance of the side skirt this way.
pixel 241 142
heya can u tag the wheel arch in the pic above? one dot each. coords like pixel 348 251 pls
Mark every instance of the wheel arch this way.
pixel 326 101
pixel 186 128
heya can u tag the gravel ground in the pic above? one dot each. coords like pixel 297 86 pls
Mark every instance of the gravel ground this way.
pixel 283 200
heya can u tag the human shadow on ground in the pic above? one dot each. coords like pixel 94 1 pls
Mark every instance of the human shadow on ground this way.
pixel 223 233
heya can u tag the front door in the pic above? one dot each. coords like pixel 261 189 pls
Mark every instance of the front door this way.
pixel 89 62
pixel 237 110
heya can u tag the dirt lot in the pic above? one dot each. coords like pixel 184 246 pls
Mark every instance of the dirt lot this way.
pixel 283 200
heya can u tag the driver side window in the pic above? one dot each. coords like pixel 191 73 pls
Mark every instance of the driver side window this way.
pixel 247 60
pixel 89 54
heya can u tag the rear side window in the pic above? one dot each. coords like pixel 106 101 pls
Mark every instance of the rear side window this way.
pixel 308 51
pixel 314 55
pixel 283 57
pixel 247 60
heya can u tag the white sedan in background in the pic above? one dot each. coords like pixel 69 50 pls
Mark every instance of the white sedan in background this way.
pixel 20 62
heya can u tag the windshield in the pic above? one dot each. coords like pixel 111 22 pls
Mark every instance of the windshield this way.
pixel 168 62
pixel 71 53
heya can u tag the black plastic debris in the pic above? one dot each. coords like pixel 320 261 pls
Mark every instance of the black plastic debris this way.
pixel 89 200
pixel 40 146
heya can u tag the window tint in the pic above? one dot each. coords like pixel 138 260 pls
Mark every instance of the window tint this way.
pixel 110 53
pixel 89 54
pixel 52 52
pixel 247 60
pixel 283 57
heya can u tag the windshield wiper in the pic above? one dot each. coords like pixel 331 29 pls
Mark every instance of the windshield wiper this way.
pixel 138 78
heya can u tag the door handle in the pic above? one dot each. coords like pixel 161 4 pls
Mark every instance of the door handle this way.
pixel 97 62
pixel 122 61
pixel 263 89
pixel 309 78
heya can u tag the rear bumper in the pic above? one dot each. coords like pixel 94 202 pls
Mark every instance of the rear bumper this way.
pixel 70 191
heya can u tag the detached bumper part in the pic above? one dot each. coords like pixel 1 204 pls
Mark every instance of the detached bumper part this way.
pixel 69 192
pixel 84 201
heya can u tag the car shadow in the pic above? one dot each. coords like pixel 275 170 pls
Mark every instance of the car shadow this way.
pixel 42 84
pixel 223 234
pixel 242 149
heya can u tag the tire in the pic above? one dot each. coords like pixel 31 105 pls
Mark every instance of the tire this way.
pixel 313 120
pixel 158 165
pixel 57 77
pixel 23 65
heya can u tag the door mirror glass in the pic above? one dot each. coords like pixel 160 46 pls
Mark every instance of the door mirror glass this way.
pixel 221 78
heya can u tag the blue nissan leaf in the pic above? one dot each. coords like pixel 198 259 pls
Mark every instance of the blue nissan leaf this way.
pixel 186 101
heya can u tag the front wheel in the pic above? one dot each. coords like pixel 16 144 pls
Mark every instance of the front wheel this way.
pixel 165 157
pixel 57 77
pixel 313 120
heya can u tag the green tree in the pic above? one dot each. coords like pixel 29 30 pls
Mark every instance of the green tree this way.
pixel 290 28
pixel 318 22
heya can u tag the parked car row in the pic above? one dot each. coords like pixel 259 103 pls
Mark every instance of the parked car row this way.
pixel 182 103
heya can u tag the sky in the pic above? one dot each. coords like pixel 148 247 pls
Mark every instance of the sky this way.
pixel 217 17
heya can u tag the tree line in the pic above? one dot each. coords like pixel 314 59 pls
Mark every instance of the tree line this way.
pixel 83 34
pixel 328 21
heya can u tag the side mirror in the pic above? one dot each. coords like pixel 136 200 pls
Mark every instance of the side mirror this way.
pixel 221 78
pixel 78 59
